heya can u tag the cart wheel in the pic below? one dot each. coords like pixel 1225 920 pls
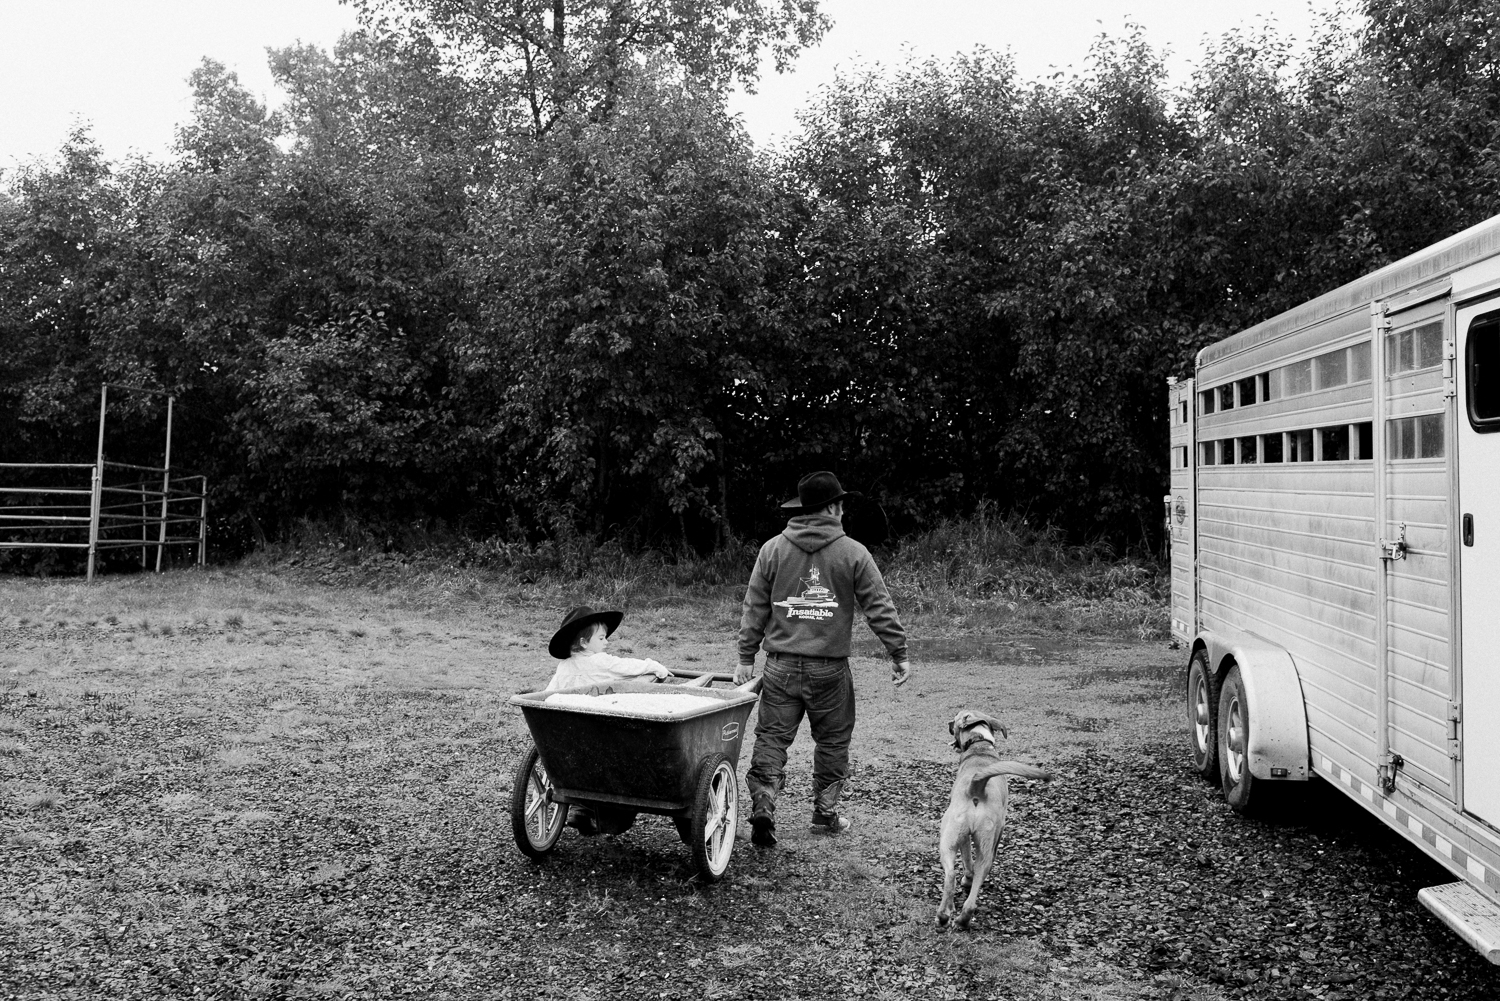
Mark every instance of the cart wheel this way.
pixel 715 815
pixel 536 821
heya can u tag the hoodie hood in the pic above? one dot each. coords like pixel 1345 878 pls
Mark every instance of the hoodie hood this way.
pixel 811 532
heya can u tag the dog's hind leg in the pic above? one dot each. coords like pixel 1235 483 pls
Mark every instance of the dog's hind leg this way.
pixel 984 858
pixel 948 854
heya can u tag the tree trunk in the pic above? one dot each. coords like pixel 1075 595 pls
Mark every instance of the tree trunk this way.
pixel 723 537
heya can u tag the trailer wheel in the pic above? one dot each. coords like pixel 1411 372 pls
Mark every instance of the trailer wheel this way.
pixel 1241 789
pixel 1203 715
pixel 535 820
pixel 715 817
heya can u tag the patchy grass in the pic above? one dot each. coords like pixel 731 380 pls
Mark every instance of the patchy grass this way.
pixel 312 800
pixel 981 572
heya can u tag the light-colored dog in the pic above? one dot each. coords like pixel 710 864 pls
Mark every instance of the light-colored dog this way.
pixel 976 808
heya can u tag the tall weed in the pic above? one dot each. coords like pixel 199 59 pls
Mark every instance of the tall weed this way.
pixel 988 562
pixel 983 563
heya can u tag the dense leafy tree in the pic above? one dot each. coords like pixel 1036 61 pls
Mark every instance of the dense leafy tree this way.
pixel 632 287
pixel 545 60
pixel 513 267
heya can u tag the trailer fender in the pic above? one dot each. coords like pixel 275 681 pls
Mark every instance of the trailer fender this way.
pixel 1278 746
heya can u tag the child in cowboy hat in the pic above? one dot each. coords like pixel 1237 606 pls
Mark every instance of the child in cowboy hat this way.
pixel 579 646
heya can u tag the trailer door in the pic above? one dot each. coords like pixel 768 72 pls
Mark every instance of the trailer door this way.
pixel 1180 509
pixel 1414 487
pixel 1478 448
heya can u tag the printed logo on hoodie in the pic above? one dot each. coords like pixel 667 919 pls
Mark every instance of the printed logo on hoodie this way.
pixel 815 602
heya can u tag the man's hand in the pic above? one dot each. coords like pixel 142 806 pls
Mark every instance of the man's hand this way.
pixel 900 672
pixel 743 673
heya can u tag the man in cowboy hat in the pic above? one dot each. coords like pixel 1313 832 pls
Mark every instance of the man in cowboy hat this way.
pixel 799 608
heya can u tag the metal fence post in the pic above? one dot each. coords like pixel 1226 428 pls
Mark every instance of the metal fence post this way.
pixel 202 520
pixel 166 490
pixel 96 492
pixel 95 495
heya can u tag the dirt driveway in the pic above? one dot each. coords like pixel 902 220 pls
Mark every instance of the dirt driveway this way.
pixel 229 785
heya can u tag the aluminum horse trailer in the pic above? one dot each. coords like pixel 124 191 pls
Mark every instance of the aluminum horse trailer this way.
pixel 1335 547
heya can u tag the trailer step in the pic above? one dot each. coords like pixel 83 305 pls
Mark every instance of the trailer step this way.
pixel 1468 912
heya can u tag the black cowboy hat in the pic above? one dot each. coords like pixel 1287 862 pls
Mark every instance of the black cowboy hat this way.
pixel 562 640
pixel 817 490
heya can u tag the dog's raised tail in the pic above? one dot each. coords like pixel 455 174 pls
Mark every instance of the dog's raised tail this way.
pixel 1016 768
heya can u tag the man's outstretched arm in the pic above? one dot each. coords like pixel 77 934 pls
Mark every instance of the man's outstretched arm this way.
pixel 754 614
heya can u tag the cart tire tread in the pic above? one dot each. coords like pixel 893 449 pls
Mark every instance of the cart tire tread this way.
pixel 715 817
pixel 536 822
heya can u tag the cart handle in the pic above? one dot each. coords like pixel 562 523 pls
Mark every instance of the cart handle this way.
pixel 702 681
pixel 678 672
pixel 753 685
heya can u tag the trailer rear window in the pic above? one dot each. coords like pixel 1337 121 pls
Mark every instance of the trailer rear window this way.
pixel 1331 370
pixel 1359 362
pixel 1299 445
pixel 1296 378
pixel 1416 437
pixel 1247 390
pixel 1482 372
pixel 1415 349
pixel 1326 371
pixel 1335 442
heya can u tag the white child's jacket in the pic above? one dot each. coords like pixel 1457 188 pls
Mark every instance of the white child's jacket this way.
pixel 598 668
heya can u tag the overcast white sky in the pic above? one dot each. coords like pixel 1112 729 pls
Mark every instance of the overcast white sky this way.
pixel 122 65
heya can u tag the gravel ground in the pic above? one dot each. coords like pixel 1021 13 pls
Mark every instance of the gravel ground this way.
pixel 1130 855
pixel 1126 877
pixel 281 818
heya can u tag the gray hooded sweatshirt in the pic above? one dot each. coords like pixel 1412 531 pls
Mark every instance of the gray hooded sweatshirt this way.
pixel 806 584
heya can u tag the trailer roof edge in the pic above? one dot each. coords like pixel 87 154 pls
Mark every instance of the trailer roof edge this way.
pixel 1466 247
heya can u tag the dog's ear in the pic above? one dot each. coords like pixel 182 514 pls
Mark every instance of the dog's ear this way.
pixel 956 727
pixel 997 725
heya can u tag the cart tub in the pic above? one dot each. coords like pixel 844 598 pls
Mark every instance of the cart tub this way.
pixel 644 762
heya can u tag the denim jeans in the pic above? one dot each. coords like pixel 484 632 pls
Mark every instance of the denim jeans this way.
pixel 822 689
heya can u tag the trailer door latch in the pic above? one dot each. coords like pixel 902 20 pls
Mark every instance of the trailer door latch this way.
pixel 1394 549
pixel 1387 772
pixel 1455 722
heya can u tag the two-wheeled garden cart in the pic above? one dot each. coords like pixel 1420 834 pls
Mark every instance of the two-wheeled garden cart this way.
pixel 673 757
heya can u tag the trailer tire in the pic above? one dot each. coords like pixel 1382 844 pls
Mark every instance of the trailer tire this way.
pixel 1203 715
pixel 1242 790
